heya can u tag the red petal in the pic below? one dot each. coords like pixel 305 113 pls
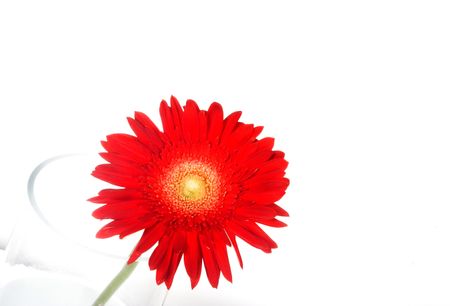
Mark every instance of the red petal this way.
pixel 137 225
pixel 124 227
pixel 215 122
pixel 118 179
pixel 257 131
pixel 252 234
pixel 116 195
pixel 120 210
pixel 266 144
pixel 160 252
pixel 167 120
pixel 127 146
pixel 151 128
pixel 262 197
pixel 220 250
pixel 255 160
pixel 255 211
pixel 146 121
pixel 179 241
pixel 236 247
pixel 162 269
pixel 174 263
pixel 278 154
pixel 277 164
pixel 265 184
pixel 111 229
pixel 177 114
pixel 149 139
pixel 246 151
pixel 125 170
pixel 259 178
pixel 193 258
pixel 148 239
pixel 202 125
pixel 280 211
pixel 119 160
pixel 230 123
pixel 191 122
pixel 211 265
pixel 271 222
pixel 242 134
pixel 222 236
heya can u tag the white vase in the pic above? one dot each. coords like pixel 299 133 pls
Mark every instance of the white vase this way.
pixel 53 256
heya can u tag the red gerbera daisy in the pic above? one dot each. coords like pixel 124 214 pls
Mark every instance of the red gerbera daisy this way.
pixel 192 188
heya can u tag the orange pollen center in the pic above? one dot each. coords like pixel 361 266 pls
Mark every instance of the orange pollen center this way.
pixel 192 186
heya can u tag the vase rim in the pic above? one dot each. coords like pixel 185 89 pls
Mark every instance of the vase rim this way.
pixel 41 215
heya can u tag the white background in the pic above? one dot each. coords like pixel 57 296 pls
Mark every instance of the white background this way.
pixel 356 93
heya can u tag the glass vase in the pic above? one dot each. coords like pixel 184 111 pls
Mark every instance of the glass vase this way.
pixel 53 257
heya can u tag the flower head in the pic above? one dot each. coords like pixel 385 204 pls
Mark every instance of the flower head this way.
pixel 192 188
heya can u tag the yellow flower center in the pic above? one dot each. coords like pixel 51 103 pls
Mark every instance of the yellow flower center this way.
pixel 193 187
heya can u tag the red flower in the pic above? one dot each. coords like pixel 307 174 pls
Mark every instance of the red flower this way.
pixel 193 189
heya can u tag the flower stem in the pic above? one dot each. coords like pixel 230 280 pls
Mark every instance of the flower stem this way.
pixel 115 284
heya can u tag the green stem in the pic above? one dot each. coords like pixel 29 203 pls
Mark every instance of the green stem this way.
pixel 115 284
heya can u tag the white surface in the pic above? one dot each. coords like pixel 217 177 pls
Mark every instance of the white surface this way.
pixel 48 291
pixel 356 93
pixel 25 286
